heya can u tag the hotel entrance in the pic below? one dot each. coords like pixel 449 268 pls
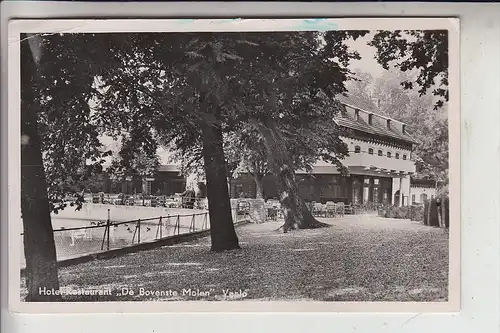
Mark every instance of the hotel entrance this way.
pixel 371 189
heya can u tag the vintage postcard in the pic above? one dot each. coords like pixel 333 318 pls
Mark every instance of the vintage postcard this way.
pixel 261 165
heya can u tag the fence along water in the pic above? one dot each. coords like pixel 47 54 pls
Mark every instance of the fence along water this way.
pixel 108 235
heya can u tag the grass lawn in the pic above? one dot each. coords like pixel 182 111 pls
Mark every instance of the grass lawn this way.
pixel 360 258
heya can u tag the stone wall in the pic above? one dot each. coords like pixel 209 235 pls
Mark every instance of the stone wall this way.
pixel 255 207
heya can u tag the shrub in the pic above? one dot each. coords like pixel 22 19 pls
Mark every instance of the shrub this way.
pixel 417 213
pixel 394 212
pixel 433 211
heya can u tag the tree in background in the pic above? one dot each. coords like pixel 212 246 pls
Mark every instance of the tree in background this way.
pixel 134 160
pixel 246 151
pixel 361 87
pixel 425 51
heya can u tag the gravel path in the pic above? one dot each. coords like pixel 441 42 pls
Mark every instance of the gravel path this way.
pixel 360 258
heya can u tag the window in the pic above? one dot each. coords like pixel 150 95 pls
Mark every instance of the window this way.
pixel 423 197
pixel 397 195
pixel 380 153
pixel 385 197
pixel 376 195
pixel 337 191
pixel 376 181
pixel 397 156
pixel 389 154
pixel 370 151
pixel 404 157
pixel 413 198
pixel 334 180
pixel 356 191
pixel 357 149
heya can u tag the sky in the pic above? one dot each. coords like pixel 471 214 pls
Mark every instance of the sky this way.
pixel 367 63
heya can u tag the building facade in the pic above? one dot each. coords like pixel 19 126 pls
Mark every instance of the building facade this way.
pixel 380 164
pixel 168 180
pixel 422 190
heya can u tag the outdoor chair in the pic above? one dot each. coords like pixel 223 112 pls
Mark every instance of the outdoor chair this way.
pixel 340 208
pixel 349 209
pixel 312 206
pixel 318 209
pixel 330 209
pixel 96 199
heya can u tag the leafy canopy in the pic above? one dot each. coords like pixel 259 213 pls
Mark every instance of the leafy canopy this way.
pixel 423 50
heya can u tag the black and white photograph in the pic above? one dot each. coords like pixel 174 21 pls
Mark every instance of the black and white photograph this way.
pixel 235 160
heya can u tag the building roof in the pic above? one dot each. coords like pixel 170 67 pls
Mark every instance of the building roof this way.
pixel 422 182
pixel 379 122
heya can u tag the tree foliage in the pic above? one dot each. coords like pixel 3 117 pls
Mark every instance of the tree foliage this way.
pixel 67 126
pixel 423 50
pixel 361 86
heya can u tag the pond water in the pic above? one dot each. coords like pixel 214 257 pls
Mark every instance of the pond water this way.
pixel 77 237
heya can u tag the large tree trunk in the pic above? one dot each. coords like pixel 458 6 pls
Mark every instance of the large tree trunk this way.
pixel 222 230
pixel 297 215
pixel 39 247
pixel 259 187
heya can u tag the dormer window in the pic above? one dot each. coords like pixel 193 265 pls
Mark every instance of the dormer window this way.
pixel 403 129
pixel 389 155
pixel 404 157
pixel 397 156
pixel 380 153
pixel 370 151
pixel 356 114
pixel 357 149
pixel 370 118
pixel 388 124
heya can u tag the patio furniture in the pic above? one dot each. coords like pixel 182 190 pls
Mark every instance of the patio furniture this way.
pixel 318 209
pixel 349 209
pixel 330 209
pixel 96 199
pixel 340 208
pixel 161 201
